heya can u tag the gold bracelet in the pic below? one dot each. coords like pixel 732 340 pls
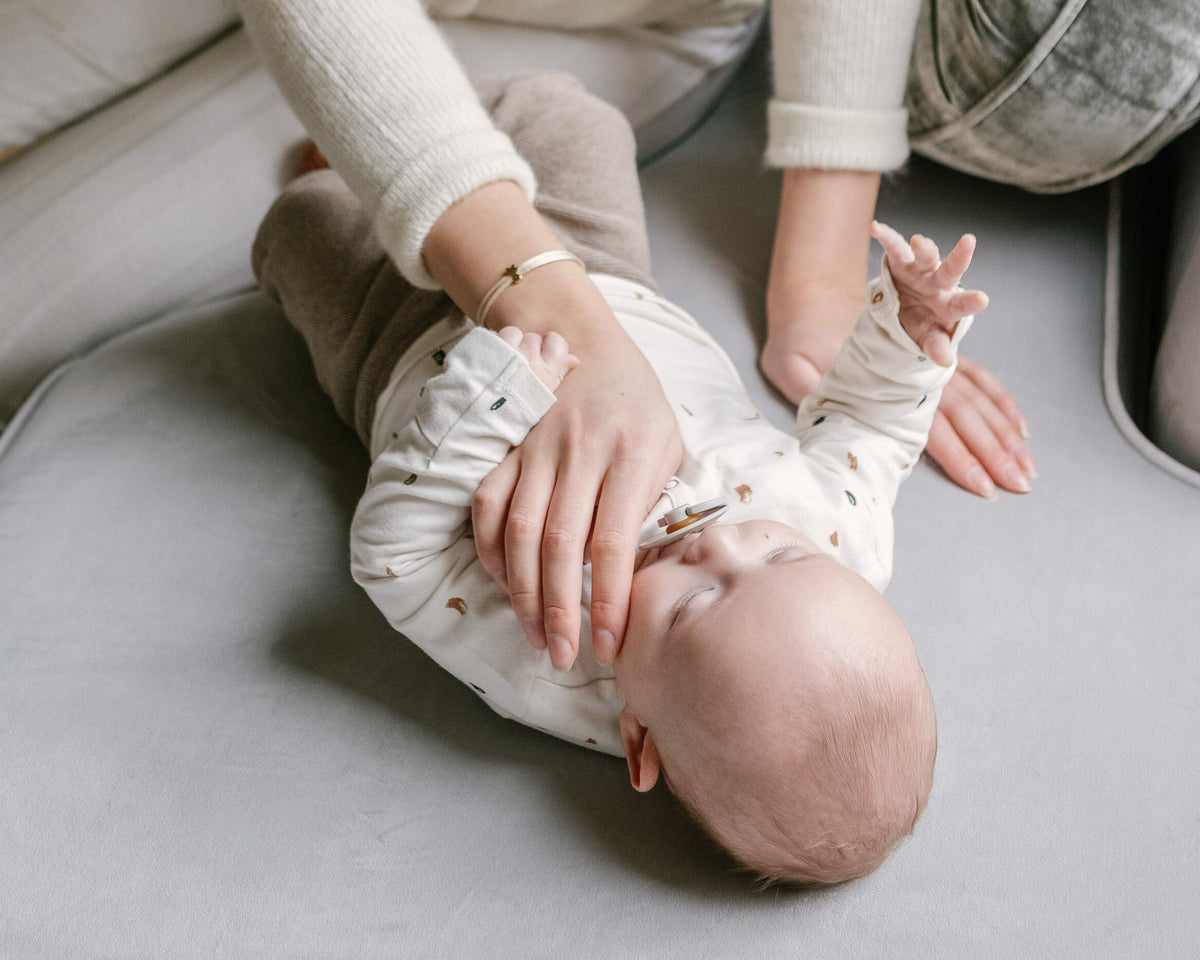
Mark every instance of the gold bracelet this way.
pixel 515 273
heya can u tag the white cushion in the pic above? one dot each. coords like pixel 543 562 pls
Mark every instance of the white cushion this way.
pixel 61 58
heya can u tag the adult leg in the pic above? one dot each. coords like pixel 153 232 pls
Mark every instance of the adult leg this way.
pixel 1052 95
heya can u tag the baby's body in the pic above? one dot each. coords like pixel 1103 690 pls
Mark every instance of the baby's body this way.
pixel 436 437
pixel 740 635
pixel 761 670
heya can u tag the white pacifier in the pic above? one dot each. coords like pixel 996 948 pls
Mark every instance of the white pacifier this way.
pixel 684 520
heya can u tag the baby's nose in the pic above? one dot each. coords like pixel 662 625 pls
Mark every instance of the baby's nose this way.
pixel 719 543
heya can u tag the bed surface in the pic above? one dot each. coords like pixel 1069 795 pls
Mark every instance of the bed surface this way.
pixel 212 745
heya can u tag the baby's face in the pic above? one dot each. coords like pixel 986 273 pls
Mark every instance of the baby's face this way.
pixel 778 691
pixel 734 610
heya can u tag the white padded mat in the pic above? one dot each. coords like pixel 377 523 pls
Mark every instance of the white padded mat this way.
pixel 211 745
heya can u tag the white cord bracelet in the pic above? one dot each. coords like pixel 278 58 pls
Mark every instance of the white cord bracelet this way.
pixel 515 274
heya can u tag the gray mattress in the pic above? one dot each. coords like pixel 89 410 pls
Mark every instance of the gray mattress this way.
pixel 212 745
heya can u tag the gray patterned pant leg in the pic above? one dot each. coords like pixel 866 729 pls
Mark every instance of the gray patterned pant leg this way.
pixel 1052 95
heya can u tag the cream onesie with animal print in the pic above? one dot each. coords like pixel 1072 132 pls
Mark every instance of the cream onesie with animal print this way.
pixel 460 398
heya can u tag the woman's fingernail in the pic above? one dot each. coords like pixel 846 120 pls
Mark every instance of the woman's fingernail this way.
pixel 561 656
pixel 1015 479
pixel 603 646
pixel 981 483
pixel 533 632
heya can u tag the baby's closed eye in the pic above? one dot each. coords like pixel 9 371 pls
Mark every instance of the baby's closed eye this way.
pixel 687 598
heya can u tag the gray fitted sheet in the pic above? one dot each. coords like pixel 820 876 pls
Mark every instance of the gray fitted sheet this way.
pixel 211 745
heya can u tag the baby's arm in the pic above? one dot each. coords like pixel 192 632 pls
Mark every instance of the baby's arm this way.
pixel 871 414
pixel 409 532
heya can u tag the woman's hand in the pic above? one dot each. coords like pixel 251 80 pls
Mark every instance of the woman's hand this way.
pixel 814 296
pixel 978 434
pixel 586 476
pixel 583 480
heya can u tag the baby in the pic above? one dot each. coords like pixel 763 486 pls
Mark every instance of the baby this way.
pixel 762 674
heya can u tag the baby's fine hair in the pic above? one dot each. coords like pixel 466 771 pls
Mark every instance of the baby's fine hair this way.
pixel 837 793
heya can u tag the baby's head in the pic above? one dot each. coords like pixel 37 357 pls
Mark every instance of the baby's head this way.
pixel 782 699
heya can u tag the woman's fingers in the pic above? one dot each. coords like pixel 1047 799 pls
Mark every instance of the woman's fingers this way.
pixel 952 455
pixel 560 558
pixel 526 525
pixel 613 545
pixel 1004 401
pixel 977 443
pixel 489 515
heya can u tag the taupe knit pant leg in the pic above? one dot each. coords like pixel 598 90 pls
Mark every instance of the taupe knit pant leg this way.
pixel 316 254
pixel 585 158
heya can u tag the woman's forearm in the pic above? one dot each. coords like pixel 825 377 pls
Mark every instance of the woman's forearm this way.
pixel 821 238
pixel 388 104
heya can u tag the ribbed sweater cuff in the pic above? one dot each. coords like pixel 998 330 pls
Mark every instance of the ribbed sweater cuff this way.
pixel 445 173
pixel 799 135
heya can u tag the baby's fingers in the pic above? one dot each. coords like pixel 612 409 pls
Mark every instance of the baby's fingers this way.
pixel 554 349
pixel 894 245
pixel 511 335
pixel 936 346
pixel 957 260
pixel 925 254
pixel 965 302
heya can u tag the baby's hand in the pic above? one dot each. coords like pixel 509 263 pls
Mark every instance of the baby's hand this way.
pixel 547 356
pixel 931 302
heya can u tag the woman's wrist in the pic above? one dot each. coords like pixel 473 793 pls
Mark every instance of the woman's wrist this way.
pixel 478 238
pixel 821 237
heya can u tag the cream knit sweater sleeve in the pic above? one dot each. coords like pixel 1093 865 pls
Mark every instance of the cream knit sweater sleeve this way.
pixel 386 101
pixel 840 70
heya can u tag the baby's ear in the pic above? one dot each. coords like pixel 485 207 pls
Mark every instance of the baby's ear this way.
pixel 640 752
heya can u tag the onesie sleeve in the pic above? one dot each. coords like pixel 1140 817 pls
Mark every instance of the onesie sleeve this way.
pixel 412 550
pixel 869 419
pixel 411 529
pixel 380 92
pixel 840 70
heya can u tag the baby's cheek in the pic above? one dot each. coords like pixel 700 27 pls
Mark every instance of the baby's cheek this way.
pixel 638 626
